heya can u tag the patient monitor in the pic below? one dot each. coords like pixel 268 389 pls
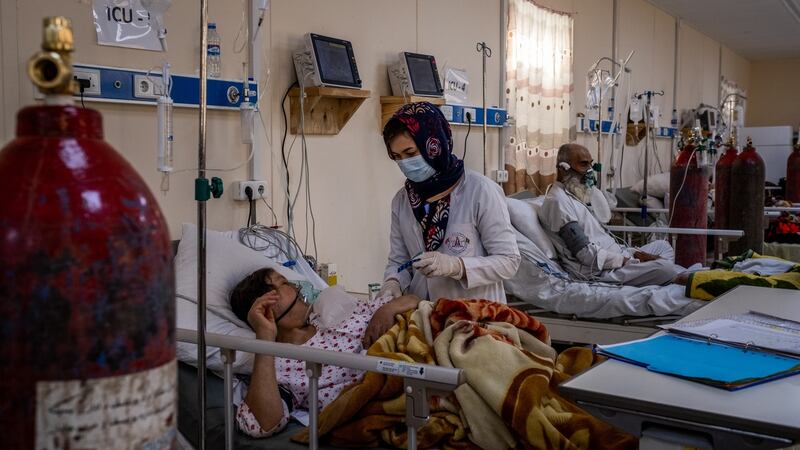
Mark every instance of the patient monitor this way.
pixel 415 74
pixel 326 61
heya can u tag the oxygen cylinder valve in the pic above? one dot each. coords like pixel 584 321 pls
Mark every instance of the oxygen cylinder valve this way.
pixel 51 68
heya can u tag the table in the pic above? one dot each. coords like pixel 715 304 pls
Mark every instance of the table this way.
pixel 668 412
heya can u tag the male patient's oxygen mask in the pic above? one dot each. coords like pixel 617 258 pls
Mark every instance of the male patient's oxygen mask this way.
pixel 588 178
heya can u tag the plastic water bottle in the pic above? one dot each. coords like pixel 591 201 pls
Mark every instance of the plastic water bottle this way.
pixel 213 55
pixel 674 122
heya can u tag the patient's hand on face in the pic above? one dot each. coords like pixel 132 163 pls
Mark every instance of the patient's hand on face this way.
pixel 262 319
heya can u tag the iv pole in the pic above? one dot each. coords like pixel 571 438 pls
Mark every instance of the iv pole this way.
pixel 201 230
pixel 643 199
pixel 485 52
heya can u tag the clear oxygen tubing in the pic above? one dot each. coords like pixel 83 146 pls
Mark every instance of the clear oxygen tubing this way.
pixel 617 122
pixel 595 68
pixel 622 122
pixel 614 52
pixel 164 107
pixel 201 231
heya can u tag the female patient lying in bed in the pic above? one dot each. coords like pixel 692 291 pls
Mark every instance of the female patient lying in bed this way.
pixel 276 310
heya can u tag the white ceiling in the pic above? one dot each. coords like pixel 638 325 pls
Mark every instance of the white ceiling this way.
pixel 755 29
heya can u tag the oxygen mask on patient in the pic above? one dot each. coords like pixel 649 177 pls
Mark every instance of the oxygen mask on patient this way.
pixel 307 291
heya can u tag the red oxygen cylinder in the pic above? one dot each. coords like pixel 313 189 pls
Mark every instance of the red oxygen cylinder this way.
pixel 688 194
pixel 87 307
pixel 793 175
pixel 722 186
pixel 747 187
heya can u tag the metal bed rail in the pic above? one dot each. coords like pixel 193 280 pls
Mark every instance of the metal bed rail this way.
pixel 419 379
pixel 722 236
pixel 769 211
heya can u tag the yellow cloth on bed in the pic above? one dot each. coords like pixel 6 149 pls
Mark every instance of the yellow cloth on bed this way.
pixel 709 284
pixel 510 399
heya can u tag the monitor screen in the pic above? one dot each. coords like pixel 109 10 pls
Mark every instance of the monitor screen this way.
pixel 335 61
pixel 423 73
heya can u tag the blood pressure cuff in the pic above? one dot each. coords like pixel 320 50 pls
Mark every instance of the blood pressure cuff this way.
pixel 573 236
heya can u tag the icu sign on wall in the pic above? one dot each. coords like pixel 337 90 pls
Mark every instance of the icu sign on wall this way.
pixel 125 23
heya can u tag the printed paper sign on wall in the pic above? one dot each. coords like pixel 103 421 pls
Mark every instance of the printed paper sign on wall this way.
pixel 456 84
pixel 125 23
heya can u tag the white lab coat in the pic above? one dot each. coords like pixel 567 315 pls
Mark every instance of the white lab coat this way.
pixel 478 231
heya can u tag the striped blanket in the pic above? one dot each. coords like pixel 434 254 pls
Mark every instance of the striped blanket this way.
pixel 510 399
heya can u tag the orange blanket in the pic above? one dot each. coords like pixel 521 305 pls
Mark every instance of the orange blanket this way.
pixel 510 398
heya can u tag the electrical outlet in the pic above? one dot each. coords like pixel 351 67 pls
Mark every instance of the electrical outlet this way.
pixel 93 75
pixel 501 176
pixel 473 114
pixel 239 188
pixel 147 87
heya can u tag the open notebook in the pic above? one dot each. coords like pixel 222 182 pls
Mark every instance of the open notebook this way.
pixel 729 353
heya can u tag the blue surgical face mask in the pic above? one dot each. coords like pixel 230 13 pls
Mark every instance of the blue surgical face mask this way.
pixel 416 169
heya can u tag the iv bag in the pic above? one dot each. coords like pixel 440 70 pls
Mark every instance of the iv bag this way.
pixel 597 84
pixel 636 110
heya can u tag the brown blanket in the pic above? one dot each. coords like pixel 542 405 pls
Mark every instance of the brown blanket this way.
pixel 510 399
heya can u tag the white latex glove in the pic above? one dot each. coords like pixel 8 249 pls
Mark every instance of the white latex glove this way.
pixel 435 264
pixel 391 287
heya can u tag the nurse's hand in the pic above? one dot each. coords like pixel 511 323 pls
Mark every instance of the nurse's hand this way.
pixel 391 287
pixel 436 264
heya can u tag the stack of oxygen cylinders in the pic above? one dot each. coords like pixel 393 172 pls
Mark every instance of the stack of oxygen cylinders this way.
pixel 738 195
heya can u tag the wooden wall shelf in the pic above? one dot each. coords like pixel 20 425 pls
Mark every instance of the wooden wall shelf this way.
pixel 327 109
pixel 390 105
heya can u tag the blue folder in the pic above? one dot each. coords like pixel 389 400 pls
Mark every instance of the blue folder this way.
pixel 711 363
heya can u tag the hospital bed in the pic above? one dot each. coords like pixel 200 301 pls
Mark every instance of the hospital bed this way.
pixel 585 312
pixel 220 431
pixel 231 346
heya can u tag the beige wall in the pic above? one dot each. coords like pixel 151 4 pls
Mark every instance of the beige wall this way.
pixel 774 98
pixel 352 181
pixel 651 33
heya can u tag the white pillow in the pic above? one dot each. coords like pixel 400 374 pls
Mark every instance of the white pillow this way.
pixel 525 218
pixel 657 185
pixel 186 317
pixel 227 263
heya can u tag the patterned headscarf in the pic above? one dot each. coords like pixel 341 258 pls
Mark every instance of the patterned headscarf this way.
pixel 430 131
pixel 428 127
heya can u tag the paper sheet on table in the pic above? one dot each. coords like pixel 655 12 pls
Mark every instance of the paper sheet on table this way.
pixel 752 329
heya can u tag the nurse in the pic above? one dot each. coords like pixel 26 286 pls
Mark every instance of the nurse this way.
pixel 451 221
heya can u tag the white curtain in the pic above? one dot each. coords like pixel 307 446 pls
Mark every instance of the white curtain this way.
pixel 538 88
